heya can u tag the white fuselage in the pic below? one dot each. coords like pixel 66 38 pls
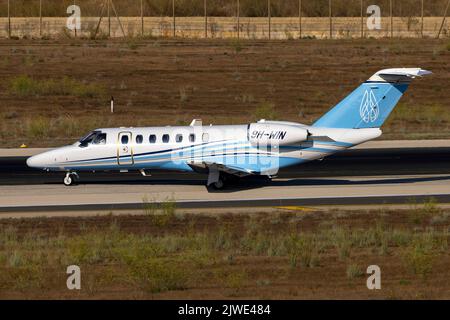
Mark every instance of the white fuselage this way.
pixel 258 148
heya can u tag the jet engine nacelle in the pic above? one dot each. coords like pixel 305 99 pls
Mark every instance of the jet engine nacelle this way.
pixel 276 134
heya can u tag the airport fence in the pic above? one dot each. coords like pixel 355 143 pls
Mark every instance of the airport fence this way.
pixel 246 19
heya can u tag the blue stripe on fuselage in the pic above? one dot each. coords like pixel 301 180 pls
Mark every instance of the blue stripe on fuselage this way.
pixel 190 152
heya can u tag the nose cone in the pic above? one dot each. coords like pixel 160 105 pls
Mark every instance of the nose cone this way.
pixel 35 162
pixel 40 161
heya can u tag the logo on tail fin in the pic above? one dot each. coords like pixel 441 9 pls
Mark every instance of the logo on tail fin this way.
pixel 369 110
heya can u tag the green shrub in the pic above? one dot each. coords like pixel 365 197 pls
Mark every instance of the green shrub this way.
pixel 419 257
pixel 167 210
pixel 354 271
pixel 26 86
pixel 23 86
pixel 156 275
pixel 15 259
pixel 69 126
pixel 236 280
pixel 8 236
pixel 342 242
pixel 237 46
pixel 148 207
pixel 431 207
pixel 266 110
pixel 38 127
pixel 302 249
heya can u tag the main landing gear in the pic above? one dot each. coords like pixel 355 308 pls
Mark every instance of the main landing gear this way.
pixel 223 180
pixel 70 178
pixel 219 184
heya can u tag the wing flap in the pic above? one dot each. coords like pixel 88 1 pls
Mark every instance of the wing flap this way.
pixel 214 169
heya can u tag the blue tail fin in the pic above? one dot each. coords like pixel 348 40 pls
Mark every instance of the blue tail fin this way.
pixel 371 103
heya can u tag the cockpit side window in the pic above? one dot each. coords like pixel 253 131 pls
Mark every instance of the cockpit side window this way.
pixel 88 138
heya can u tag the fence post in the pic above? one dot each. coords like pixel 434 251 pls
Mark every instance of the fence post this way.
pixel 300 18
pixel 443 20
pixel 9 21
pixel 238 15
pixel 173 19
pixel 391 18
pixel 40 18
pixel 118 18
pixel 206 20
pixel 109 18
pixel 75 29
pixel 331 19
pixel 269 17
pixel 362 19
pixel 142 17
pixel 421 15
pixel 100 19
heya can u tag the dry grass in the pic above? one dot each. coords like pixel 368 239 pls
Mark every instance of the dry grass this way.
pixel 171 82
pixel 224 256
pixel 266 110
pixel 25 86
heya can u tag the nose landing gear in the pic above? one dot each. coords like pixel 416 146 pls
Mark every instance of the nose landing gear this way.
pixel 70 178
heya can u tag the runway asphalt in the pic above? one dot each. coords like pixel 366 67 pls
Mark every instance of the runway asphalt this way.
pixel 354 177
pixel 353 162
pixel 279 192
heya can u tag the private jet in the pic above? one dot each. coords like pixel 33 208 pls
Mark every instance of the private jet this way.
pixel 228 152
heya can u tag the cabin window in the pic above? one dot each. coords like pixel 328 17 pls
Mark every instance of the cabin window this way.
pixel 100 138
pixel 124 139
pixel 179 138
pixel 205 137
pixel 152 138
pixel 139 139
pixel 192 137
pixel 165 138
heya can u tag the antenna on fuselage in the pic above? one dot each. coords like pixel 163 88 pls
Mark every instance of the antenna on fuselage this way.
pixel 196 122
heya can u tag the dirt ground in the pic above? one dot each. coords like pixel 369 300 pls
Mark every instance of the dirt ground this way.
pixel 297 253
pixel 169 82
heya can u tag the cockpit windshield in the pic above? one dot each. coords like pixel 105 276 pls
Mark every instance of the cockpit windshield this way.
pixel 94 137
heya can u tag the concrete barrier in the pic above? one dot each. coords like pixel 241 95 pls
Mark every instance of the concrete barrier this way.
pixel 226 27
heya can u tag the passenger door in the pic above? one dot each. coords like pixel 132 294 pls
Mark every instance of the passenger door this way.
pixel 125 149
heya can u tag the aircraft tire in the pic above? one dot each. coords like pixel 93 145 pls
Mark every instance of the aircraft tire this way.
pixel 69 179
pixel 220 184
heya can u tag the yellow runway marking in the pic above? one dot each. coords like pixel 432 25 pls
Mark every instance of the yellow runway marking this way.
pixel 297 208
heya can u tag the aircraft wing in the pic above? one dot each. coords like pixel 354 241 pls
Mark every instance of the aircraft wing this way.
pixel 213 169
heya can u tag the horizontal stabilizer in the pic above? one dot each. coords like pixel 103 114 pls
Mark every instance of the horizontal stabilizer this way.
pixel 389 75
